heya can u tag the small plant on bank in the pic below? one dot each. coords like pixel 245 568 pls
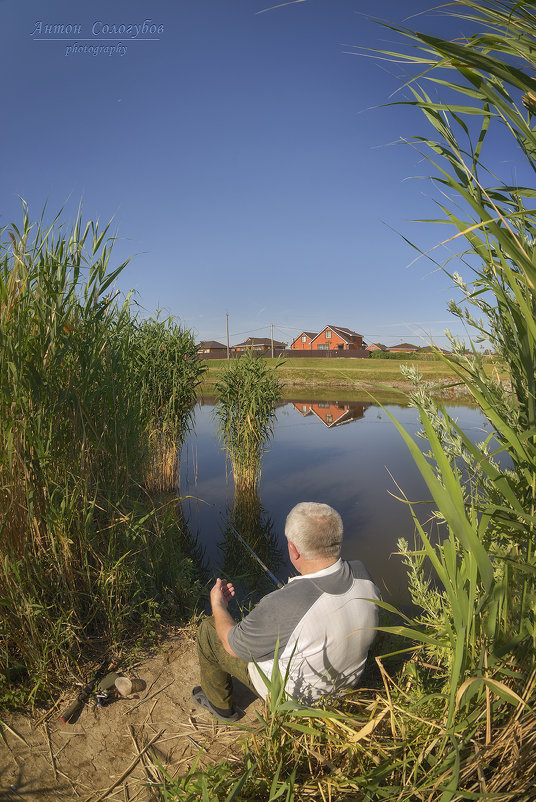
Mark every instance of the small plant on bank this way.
pixel 248 393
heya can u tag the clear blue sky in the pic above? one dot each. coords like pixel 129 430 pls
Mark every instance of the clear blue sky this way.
pixel 243 155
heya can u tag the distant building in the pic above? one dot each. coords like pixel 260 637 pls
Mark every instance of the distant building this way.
pixel 404 348
pixel 337 338
pixel 433 349
pixel 258 344
pixel 211 347
pixel 376 347
pixel 303 341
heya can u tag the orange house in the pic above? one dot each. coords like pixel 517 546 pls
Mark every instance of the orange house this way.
pixel 303 342
pixel 377 347
pixel 337 338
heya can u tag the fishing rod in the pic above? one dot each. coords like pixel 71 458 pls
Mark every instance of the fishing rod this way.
pixel 71 714
pixel 277 582
pixel 272 576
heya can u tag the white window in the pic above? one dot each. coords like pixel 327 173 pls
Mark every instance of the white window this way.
pixel 328 334
pixel 323 347
pixel 304 338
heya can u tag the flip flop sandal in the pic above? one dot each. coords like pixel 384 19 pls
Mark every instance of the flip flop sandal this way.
pixel 199 698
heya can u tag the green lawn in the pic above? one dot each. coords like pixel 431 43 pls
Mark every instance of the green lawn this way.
pixel 344 378
pixel 341 371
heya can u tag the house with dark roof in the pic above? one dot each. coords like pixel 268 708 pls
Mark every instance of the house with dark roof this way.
pixel 303 341
pixel 376 347
pixel 211 347
pixel 261 345
pixel 404 348
pixel 337 338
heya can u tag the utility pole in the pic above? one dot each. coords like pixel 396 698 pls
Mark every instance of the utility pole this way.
pixel 272 337
pixel 227 318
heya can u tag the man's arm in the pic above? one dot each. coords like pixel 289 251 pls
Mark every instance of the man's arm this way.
pixel 220 596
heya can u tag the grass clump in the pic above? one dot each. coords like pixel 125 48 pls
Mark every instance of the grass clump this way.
pixel 248 392
pixel 85 555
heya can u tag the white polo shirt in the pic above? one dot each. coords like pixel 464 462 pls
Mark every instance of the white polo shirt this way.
pixel 324 624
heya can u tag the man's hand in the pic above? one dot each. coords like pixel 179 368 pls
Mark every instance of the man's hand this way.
pixel 221 594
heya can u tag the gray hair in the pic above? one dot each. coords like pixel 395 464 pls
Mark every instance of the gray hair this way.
pixel 315 529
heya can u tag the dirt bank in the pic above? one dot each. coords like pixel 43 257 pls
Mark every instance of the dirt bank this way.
pixel 111 752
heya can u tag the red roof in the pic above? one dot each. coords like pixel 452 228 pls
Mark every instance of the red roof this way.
pixel 344 333
pixel 211 344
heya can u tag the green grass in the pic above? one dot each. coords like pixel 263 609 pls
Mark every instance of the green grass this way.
pixel 373 375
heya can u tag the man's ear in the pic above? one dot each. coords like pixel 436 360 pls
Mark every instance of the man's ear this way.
pixel 293 551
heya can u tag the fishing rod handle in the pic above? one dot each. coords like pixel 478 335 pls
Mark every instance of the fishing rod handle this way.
pixel 71 711
pixel 83 697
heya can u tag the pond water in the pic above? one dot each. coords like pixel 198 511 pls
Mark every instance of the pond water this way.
pixel 347 454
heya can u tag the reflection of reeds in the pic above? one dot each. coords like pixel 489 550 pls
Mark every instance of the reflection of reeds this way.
pixel 255 526
pixel 163 469
pixel 247 394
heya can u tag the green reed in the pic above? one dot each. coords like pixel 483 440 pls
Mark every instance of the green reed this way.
pixel 85 554
pixel 168 373
pixel 248 392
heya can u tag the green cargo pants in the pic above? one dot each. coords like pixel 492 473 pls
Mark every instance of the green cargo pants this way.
pixel 217 667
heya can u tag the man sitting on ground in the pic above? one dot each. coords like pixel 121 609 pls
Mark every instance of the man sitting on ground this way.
pixel 322 622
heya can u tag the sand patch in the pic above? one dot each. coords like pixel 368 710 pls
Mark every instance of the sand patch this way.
pixel 111 752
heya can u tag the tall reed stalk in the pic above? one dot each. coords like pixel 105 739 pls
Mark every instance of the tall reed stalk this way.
pixel 168 373
pixel 248 392
pixel 482 622
pixel 83 553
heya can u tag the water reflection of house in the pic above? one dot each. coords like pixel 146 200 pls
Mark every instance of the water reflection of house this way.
pixel 332 413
